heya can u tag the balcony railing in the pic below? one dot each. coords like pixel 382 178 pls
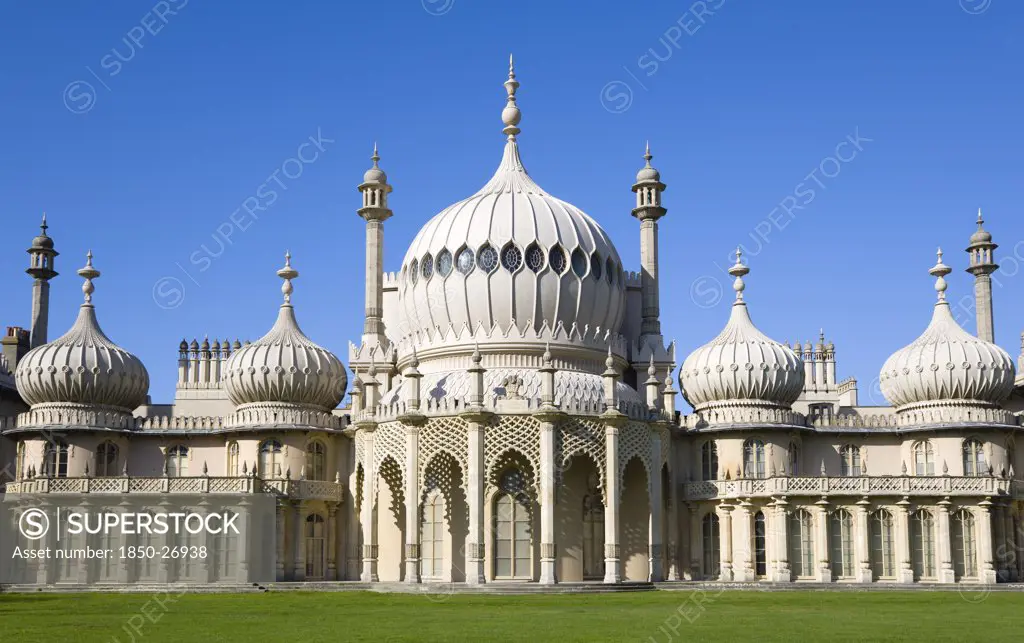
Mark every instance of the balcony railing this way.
pixel 853 486
pixel 286 488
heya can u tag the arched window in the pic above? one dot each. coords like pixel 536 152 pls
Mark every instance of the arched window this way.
pixel 106 459
pixel 883 548
pixel 593 536
pixel 177 461
pixel 595 266
pixel 556 259
pixel 512 541
pixel 924 459
pixel 849 461
pixel 760 552
pixel 427 266
pixel 432 537
pixel 965 549
pixel 233 459
pixel 801 544
pixel 55 458
pixel 609 271
pixel 414 271
pixel 534 258
pixel 444 263
pixel 711 545
pixel 794 459
pixel 579 263
pixel 315 547
pixel 316 460
pixel 753 459
pixel 19 462
pixel 922 541
pixel 841 537
pixel 709 460
pixel 511 257
pixel 270 459
pixel 464 262
pixel 974 458
pixel 487 258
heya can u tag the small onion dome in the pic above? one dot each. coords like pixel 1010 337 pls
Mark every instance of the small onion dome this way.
pixel 981 236
pixel 946 363
pixel 375 174
pixel 741 366
pixel 42 241
pixel 284 366
pixel 647 172
pixel 83 366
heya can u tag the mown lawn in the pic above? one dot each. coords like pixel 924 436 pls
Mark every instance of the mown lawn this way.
pixel 652 616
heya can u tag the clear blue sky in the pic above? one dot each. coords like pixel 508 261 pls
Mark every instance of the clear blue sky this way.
pixel 741 107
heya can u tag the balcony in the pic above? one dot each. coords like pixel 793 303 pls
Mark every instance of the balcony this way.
pixel 853 486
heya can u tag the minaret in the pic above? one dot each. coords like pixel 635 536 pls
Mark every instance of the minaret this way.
pixel 982 266
pixel 40 266
pixel 375 212
pixel 648 210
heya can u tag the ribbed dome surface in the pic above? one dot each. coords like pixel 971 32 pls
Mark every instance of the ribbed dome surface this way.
pixel 946 363
pixel 83 366
pixel 741 365
pixel 284 366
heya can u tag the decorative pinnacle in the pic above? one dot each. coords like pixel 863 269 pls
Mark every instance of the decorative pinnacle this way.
pixel 610 361
pixel 647 155
pixel 477 357
pixel 738 270
pixel 376 157
pixel 980 220
pixel 287 273
pixel 415 359
pixel 511 114
pixel 651 372
pixel 88 273
pixel 547 354
pixel 939 271
pixel 43 225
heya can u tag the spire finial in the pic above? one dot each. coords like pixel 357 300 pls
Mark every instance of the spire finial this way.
pixel 43 225
pixel 88 273
pixel 738 270
pixel 939 271
pixel 609 362
pixel 647 154
pixel 287 273
pixel 980 220
pixel 376 157
pixel 511 114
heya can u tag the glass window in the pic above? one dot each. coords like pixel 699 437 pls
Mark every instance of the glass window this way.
pixel 760 553
pixel 534 258
pixel 444 263
pixel 414 271
pixel 849 461
pixel 177 461
pixel 753 459
pixel 315 549
pixel 511 258
pixel 801 544
pixel 464 262
pixel 19 462
pixel 316 461
pixel 711 546
pixel 512 529
pixel 922 538
pixel 883 557
pixel 579 263
pixel 924 459
pixel 965 551
pixel 432 538
pixel 709 460
pixel 556 259
pixel 974 458
pixel 593 536
pixel 841 536
pixel 270 459
pixel 487 258
pixel 595 265
pixel 56 459
pixel 427 267
pixel 106 459
pixel 609 271
pixel 233 459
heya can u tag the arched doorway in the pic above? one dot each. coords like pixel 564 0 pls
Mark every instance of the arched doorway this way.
pixel 315 547
pixel 513 538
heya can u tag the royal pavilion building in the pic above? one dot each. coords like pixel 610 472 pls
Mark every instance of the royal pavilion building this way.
pixel 510 414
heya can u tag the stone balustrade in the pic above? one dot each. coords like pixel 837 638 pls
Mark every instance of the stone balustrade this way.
pixel 853 486
pixel 287 488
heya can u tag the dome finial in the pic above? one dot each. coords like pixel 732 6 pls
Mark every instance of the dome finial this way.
pixel 511 114
pixel 287 273
pixel 980 220
pixel 647 154
pixel 88 273
pixel 738 270
pixel 939 271
pixel 376 157
pixel 43 226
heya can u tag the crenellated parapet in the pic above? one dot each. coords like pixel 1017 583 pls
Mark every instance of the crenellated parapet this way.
pixel 739 413
pixel 202 365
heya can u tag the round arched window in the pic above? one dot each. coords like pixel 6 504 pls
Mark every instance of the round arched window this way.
pixel 444 263
pixel 414 271
pixel 487 258
pixel 464 262
pixel 427 267
pixel 579 263
pixel 534 258
pixel 595 265
pixel 511 258
pixel 556 259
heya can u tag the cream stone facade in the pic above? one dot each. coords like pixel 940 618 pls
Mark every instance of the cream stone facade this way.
pixel 512 417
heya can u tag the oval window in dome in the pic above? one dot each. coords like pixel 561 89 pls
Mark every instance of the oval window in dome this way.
pixel 464 262
pixel 534 258
pixel 511 258
pixel 579 263
pixel 610 271
pixel 414 271
pixel 444 263
pixel 487 258
pixel 595 265
pixel 427 266
pixel 556 259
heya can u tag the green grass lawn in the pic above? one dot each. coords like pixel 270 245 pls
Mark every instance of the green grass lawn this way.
pixel 651 616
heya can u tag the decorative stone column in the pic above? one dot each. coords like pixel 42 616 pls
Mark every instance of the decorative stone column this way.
pixel 905 573
pixel 476 420
pixel 549 417
pixel 613 421
pixel 946 573
pixel 298 544
pixel 724 512
pixel 743 569
pixel 821 536
pixel 366 520
pixel 656 569
pixel 863 527
pixel 412 501
pixel 780 543
pixel 987 571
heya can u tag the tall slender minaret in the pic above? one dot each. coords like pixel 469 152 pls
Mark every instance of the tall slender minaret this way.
pixel 40 266
pixel 982 266
pixel 375 212
pixel 648 210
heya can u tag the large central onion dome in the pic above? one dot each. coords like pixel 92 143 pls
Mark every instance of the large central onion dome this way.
pixel 742 367
pixel 83 367
pixel 946 364
pixel 284 367
pixel 509 256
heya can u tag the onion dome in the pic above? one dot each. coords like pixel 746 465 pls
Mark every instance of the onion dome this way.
pixel 510 255
pixel 83 366
pixel 946 363
pixel 741 367
pixel 42 241
pixel 284 366
pixel 648 173
pixel 375 174
pixel 981 235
